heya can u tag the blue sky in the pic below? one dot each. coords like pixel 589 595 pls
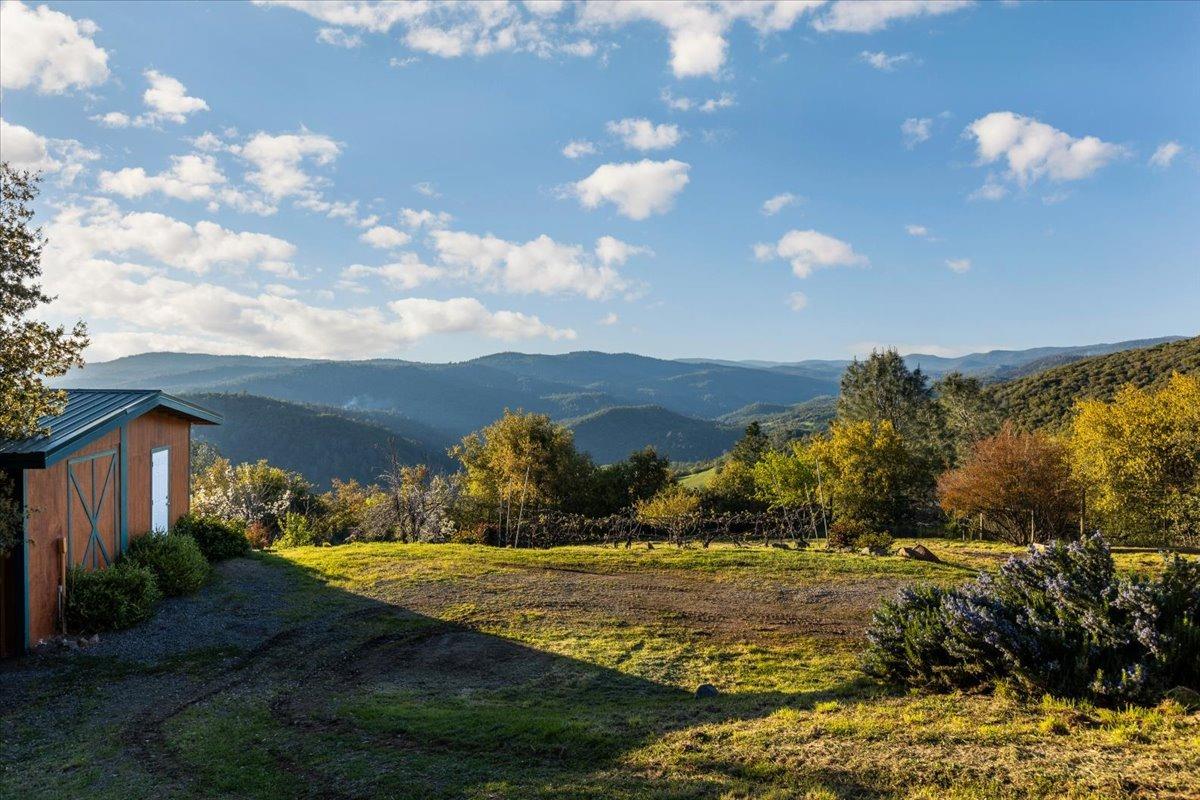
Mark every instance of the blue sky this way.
pixel 357 180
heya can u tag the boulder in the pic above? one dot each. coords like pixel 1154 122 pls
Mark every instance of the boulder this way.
pixel 919 552
pixel 706 690
pixel 1188 698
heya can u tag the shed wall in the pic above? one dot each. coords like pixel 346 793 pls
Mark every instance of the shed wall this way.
pixel 145 434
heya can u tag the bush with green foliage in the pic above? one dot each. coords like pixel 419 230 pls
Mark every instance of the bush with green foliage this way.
pixel 298 531
pixel 175 559
pixel 218 539
pixel 110 599
pixel 844 534
pixel 1058 620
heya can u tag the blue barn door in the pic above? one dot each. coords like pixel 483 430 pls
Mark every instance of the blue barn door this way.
pixel 93 521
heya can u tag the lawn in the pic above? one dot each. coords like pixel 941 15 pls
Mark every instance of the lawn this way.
pixel 424 671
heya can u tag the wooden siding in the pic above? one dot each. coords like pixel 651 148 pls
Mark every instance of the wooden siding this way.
pixel 49 493
pixel 47 498
pixel 145 434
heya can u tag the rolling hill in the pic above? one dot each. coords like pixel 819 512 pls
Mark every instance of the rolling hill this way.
pixel 612 434
pixel 321 444
pixel 1046 398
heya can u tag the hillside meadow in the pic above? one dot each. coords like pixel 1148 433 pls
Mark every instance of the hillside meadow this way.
pixel 425 671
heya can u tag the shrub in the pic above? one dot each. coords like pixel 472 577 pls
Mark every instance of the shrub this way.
pixel 175 559
pixel 297 531
pixel 875 541
pixel 1058 620
pixel 218 539
pixel 482 533
pixel 259 534
pixel 845 533
pixel 110 599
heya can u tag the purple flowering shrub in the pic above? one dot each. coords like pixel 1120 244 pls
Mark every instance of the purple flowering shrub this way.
pixel 1057 620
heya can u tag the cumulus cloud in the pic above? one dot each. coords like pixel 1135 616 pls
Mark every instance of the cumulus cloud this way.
pixel 412 218
pixel 385 237
pixel 992 189
pixel 278 161
pixel 113 119
pixel 642 134
pixel 192 177
pixel 959 265
pixel 613 252
pixel 869 16
pixel 797 301
pixel 809 250
pixel 773 205
pixel 168 99
pixel 48 50
pixel 1165 154
pixel 541 265
pixel 408 272
pixel 25 149
pixel 920 231
pixel 426 188
pixel 884 62
pixel 915 130
pixel 1033 150
pixel 101 229
pixel 577 148
pixel 638 189
pixel 610 318
pixel 136 305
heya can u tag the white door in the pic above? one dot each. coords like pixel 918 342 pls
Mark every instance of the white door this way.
pixel 160 494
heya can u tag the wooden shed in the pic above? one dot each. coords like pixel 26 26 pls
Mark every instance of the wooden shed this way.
pixel 114 466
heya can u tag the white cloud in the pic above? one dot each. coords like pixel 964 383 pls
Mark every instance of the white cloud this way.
pixel 339 38
pixel 540 265
pixel 168 99
pixel 613 252
pixel 1033 149
pixel 1165 154
pixel 642 134
pixel 25 149
pixel 992 189
pixel 959 265
pixel 47 50
pixel 637 189
pixel 277 161
pixel 420 317
pixel 406 273
pixel 884 62
pixel 774 205
pixel 920 231
pixel 577 148
pixel 426 188
pixel 724 100
pixel 113 119
pixel 101 229
pixel 135 307
pixel 208 142
pixel 869 16
pixel 413 218
pixel 809 250
pixel 797 301
pixel 610 318
pixel 385 237
pixel 915 130
pixel 191 177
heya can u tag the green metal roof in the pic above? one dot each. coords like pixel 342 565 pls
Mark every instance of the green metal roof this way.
pixel 89 414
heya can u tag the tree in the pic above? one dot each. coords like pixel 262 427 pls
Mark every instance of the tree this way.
pixel 787 478
pixel 675 509
pixel 752 446
pixel 30 350
pixel 1020 482
pixel 523 462
pixel 732 488
pixel 255 493
pixel 870 475
pixel 1139 458
pixel 884 389
pixel 970 414
pixel 620 485
pixel 420 502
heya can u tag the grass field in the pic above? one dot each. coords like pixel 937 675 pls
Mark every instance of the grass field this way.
pixel 415 671
pixel 699 480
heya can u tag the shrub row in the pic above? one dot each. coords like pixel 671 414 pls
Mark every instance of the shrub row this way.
pixel 154 566
pixel 1058 620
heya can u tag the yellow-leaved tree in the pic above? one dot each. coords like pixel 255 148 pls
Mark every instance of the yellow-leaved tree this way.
pixel 1139 459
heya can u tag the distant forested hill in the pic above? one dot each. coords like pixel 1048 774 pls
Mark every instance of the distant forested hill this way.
pixel 1046 398
pixel 612 434
pixel 321 444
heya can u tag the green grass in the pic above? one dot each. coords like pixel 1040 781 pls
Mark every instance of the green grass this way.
pixel 699 480
pixel 447 671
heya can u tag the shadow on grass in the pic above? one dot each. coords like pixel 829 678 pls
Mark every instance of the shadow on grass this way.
pixel 370 699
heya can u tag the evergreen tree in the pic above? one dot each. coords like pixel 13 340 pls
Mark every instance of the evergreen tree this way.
pixel 753 445
pixel 30 350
